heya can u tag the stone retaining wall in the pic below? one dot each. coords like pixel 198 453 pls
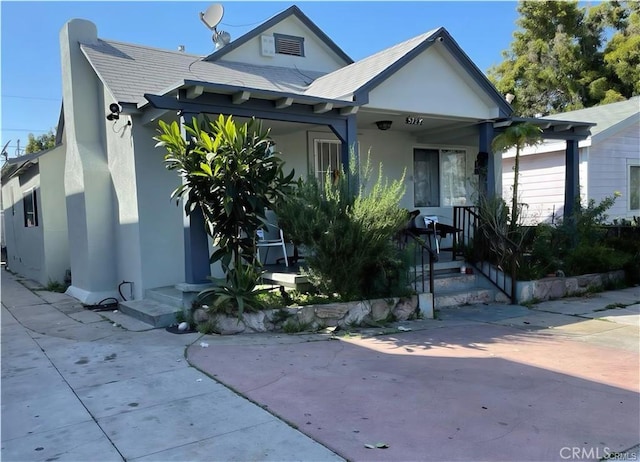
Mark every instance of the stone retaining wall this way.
pixel 313 317
pixel 558 287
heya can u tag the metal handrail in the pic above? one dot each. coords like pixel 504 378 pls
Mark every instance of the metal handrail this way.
pixel 422 247
pixel 469 222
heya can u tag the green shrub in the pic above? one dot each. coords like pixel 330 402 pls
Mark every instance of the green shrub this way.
pixel 347 238
pixel 578 245
pixel 55 286
pixel 229 172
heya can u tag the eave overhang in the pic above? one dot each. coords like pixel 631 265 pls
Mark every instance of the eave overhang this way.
pixel 551 129
pixel 198 96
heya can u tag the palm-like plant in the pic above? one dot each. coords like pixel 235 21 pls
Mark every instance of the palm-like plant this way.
pixel 229 172
pixel 518 136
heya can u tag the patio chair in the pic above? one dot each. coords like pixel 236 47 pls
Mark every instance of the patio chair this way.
pixel 271 236
pixel 431 221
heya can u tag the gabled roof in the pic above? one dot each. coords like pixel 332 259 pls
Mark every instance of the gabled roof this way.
pixel 130 71
pixel 605 116
pixel 15 165
pixel 343 83
pixel 357 79
pixel 291 11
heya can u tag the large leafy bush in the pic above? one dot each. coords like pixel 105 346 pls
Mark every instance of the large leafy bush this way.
pixel 229 172
pixel 347 238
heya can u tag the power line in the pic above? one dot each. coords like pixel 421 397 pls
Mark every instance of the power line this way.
pixel 31 97
pixel 26 130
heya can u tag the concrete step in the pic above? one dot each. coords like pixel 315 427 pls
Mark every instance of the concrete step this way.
pixel 453 282
pixel 168 295
pixel 463 297
pixel 150 311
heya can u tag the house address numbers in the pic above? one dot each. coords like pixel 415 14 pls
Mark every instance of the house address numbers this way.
pixel 414 120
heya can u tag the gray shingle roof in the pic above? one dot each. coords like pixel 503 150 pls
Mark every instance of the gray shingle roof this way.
pixel 130 71
pixel 605 116
pixel 343 82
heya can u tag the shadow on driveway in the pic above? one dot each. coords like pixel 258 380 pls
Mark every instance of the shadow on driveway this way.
pixel 464 391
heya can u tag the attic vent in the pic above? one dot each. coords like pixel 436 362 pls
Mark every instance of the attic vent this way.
pixel 289 45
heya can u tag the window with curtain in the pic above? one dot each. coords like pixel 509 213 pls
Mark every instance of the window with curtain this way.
pixel 453 177
pixel 426 178
pixel 439 177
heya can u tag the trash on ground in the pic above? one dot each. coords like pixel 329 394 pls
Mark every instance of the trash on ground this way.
pixel 204 344
pixel 403 329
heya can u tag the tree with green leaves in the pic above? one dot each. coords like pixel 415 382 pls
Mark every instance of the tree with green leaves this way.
pixel 230 173
pixel 516 136
pixel 560 59
pixel 40 143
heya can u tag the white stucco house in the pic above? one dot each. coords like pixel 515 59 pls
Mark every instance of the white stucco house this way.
pixel 35 215
pixel 609 163
pixel 421 105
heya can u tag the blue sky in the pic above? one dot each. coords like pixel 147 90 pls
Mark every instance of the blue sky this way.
pixel 30 55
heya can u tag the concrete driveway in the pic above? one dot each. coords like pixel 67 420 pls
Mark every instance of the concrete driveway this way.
pixel 559 381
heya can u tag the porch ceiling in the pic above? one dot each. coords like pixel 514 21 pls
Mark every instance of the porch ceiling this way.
pixel 431 127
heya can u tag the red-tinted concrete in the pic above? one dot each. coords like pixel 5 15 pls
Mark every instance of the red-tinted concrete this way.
pixel 465 392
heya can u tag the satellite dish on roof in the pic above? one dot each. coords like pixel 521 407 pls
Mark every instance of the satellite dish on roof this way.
pixel 221 38
pixel 212 17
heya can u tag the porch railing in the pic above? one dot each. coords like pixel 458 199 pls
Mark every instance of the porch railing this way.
pixel 494 255
pixel 421 251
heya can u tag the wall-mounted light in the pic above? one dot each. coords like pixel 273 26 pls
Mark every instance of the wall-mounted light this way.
pixel 115 112
pixel 384 124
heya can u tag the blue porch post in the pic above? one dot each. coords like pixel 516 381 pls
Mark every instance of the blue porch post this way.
pixel 347 133
pixel 196 243
pixel 487 184
pixel 571 177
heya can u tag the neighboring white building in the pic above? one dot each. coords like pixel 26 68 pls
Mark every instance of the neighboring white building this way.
pixel 33 198
pixel 609 163
pixel 421 105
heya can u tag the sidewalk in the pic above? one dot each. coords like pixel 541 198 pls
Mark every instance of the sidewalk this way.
pixel 79 385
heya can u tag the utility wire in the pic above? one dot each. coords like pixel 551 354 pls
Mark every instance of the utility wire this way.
pixel 31 97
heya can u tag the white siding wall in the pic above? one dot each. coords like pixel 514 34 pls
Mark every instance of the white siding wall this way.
pixel 541 184
pixel 608 169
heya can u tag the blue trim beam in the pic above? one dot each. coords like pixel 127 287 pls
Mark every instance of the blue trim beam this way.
pixel 260 109
pixel 484 145
pixel 197 268
pixel 572 177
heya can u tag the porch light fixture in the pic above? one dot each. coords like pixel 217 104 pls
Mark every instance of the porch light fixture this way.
pixel 383 124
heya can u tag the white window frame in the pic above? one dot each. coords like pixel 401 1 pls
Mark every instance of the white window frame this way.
pixel 442 175
pixel 318 170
